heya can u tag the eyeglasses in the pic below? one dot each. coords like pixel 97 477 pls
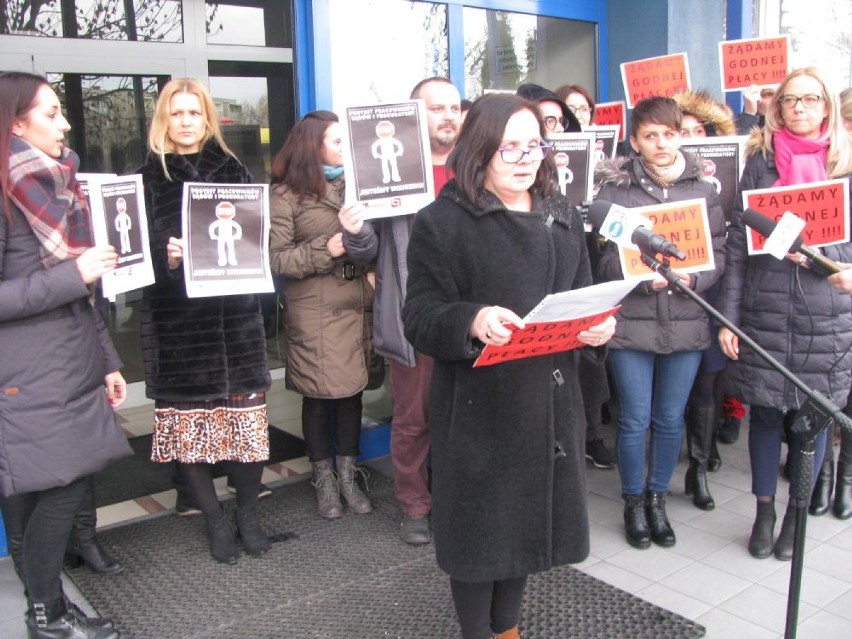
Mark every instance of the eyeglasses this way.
pixel 809 100
pixel 579 109
pixel 513 155
pixel 551 121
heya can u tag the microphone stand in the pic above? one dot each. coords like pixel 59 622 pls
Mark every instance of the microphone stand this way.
pixel 811 419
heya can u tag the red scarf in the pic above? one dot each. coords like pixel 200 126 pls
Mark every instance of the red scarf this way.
pixel 47 192
pixel 800 160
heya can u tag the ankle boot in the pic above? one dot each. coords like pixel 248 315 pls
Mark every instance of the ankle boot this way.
pixel 655 509
pixel 83 544
pixel 843 493
pixel 760 542
pixel 74 609
pixel 700 427
pixel 636 521
pixel 52 620
pixel 358 502
pixel 223 545
pixel 821 497
pixel 511 633
pixel 254 539
pixel 327 490
pixel 783 549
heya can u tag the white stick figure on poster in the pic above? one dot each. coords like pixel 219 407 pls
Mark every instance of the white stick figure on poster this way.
pixel 226 232
pixel 563 173
pixel 709 168
pixel 123 224
pixel 600 155
pixel 387 149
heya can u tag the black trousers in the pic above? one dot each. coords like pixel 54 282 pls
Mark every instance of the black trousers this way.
pixel 345 414
pixel 485 608
pixel 38 526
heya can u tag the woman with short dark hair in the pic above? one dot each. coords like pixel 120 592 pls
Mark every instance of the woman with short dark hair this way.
pixel 661 334
pixel 60 375
pixel 507 440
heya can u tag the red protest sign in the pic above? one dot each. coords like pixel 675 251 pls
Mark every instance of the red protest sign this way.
pixel 759 61
pixel 611 113
pixel 664 75
pixel 684 224
pixel 824 206
pixel 542 338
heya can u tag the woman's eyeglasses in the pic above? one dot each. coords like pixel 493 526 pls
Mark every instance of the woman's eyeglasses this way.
pixel 809 100
pixel 579 109
pixel 551 121
pixel 513 155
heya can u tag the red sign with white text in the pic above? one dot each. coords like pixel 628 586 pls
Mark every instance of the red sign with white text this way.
pixel 542 338
pixel 824 206
pixel 664 75
pixel 611 113
pixel 758 61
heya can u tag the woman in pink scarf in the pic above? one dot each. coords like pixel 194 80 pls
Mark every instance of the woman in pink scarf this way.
pixel 787 308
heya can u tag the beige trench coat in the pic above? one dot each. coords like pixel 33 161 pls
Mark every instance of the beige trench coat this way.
pixel 327 337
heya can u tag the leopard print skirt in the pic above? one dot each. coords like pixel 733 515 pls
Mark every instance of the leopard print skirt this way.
pixel 232 429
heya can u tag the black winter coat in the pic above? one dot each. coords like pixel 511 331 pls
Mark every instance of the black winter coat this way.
pixel 202 348
pixel 508 487
pixel 660 321
pixel 794 314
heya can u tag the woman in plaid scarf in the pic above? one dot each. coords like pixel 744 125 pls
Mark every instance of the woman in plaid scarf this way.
pixel 59 379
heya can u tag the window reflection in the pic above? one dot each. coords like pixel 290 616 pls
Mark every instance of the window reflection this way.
pixel 407 42
pixel 503 50
pixel 150 20
pixel 260 23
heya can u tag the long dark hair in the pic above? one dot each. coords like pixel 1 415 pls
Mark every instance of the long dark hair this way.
pixel 298 164
pixel 480 138
pixel 17 97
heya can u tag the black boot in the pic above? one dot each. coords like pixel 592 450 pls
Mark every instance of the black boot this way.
pixel 714 462
pixel 821 497
pixel 783 549
pixel 843 492
pixel 635 521
pixel 254 539
pixel 655 509
pixel 729 432
pixel 700 427
pixel 760 542
pixel 52 620
pixel 83 544
pixel 223 546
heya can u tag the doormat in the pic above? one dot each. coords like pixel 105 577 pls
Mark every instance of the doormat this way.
pixel 344 578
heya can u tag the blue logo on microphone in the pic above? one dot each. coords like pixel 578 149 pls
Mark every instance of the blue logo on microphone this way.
pixel 615 229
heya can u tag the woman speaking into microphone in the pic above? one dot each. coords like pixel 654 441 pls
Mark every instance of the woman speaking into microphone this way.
pixel 789 310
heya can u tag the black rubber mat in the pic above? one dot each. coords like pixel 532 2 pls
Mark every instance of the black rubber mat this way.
pixel 348 578
pixel 137 476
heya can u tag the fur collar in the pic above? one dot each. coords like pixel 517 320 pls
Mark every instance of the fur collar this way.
pixel 702 106
pixel 622 172
pixel 212 161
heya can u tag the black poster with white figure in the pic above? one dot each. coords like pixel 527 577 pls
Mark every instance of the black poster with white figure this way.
pixel 573 155
pixel 226 235
pixel 606 140
pixel 722 162
pixel 119 219
pixel 388 159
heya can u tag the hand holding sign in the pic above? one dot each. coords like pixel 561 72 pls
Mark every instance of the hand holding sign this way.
pixel 490 325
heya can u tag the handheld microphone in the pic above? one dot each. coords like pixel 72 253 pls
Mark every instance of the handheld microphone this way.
pixel 820 264
pixel 626 228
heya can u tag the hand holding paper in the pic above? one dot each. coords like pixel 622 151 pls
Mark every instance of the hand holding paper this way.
pixel 490 325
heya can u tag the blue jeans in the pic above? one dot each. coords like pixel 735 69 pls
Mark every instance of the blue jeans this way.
pixel 765 431
pixel 653 390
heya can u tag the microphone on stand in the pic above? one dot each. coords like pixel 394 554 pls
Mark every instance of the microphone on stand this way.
pixel 820 264
pixel 626 228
